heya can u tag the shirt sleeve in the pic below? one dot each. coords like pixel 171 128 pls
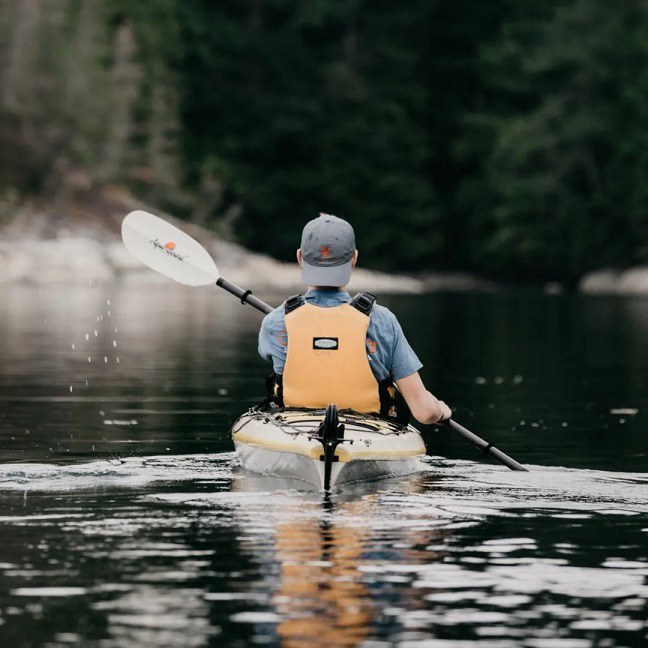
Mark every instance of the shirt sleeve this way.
pixel 272 340
pixel 404 362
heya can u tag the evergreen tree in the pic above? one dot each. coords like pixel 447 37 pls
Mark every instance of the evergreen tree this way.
pixel 557 140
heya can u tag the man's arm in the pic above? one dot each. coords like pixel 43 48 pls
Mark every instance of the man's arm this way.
pixel 272 340
pixel 425 407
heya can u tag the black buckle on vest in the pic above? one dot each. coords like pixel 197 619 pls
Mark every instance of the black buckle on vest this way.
pixel 293 303
pixel 364 302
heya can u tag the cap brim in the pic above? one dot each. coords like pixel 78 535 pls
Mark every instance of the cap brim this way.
pixel 334 276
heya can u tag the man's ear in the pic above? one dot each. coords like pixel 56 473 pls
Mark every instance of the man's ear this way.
pixel 299 256
pixel 354 260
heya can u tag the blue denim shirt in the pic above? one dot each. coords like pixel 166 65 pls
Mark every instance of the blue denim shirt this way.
pixel 388 352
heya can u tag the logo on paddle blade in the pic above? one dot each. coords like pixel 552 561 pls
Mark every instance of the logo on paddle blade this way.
pixel 167 248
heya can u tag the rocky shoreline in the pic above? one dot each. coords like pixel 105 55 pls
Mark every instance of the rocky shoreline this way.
pixel 82 243
pixel 633 281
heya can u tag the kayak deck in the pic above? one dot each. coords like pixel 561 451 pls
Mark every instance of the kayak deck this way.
pixel 284 442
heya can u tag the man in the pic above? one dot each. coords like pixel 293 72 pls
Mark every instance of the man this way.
pixel 327 348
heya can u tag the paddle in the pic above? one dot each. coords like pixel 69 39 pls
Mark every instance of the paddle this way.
pixel 168 250
pixel 486 447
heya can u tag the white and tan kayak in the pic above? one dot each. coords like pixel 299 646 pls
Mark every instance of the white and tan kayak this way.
pixel 287 442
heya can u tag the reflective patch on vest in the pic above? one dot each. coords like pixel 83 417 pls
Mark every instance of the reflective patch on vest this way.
pixel 325 343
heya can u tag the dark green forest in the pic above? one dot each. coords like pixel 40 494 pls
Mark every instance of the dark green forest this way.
pixel 508 137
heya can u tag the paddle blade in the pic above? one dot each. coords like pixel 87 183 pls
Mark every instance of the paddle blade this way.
pixel 168 250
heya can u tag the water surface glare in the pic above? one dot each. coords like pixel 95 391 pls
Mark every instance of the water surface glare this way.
pixel 126 521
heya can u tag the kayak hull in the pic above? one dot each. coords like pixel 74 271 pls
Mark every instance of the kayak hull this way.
pixel 282 443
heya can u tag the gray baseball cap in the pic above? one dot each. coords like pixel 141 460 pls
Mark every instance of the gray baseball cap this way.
pixel 327 246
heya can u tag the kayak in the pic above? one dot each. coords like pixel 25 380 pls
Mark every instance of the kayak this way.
pixel 326 448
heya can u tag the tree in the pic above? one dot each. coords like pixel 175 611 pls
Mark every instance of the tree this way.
pixel 557 139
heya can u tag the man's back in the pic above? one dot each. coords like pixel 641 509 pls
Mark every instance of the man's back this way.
pixel 389 354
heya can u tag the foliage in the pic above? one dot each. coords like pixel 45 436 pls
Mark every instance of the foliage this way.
pixel 506 137
pixel 561 139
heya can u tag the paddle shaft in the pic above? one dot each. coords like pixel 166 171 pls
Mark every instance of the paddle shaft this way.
pixel 485 446
pixel 245 296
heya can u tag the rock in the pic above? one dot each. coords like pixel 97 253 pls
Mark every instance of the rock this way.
pixel 600 282
pixel 62 260
pixel 634 281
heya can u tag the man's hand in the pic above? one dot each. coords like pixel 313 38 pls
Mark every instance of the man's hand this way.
pixel 425 407
pixel 446 412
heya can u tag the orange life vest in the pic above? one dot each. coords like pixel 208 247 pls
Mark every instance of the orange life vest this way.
pixel 327 359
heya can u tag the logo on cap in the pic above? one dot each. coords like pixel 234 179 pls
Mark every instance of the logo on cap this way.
pixel 325 251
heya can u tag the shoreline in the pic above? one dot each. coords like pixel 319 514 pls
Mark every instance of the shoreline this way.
pixel 82 243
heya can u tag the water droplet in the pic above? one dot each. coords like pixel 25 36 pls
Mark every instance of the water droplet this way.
pixel 71 388
pixel 87 336
pixel 96 333
pixel 564 424
pixel 114 343
pixel 117 360
pixel 74 346
pixel 480 380
pixel 105 358
pixel 108 302
pixel 89 359
pixel 108 313
pixel 517 379
pixel 116 331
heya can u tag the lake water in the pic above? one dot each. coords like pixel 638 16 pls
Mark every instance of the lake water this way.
pixel 124 520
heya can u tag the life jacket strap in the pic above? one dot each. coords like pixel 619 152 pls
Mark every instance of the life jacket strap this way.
pixel 293 303
pixel 364 302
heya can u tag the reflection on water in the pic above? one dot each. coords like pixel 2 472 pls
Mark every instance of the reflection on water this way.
pixel 125 520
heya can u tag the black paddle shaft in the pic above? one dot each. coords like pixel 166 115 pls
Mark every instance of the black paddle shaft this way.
pixel 245 296
pixel 485 446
